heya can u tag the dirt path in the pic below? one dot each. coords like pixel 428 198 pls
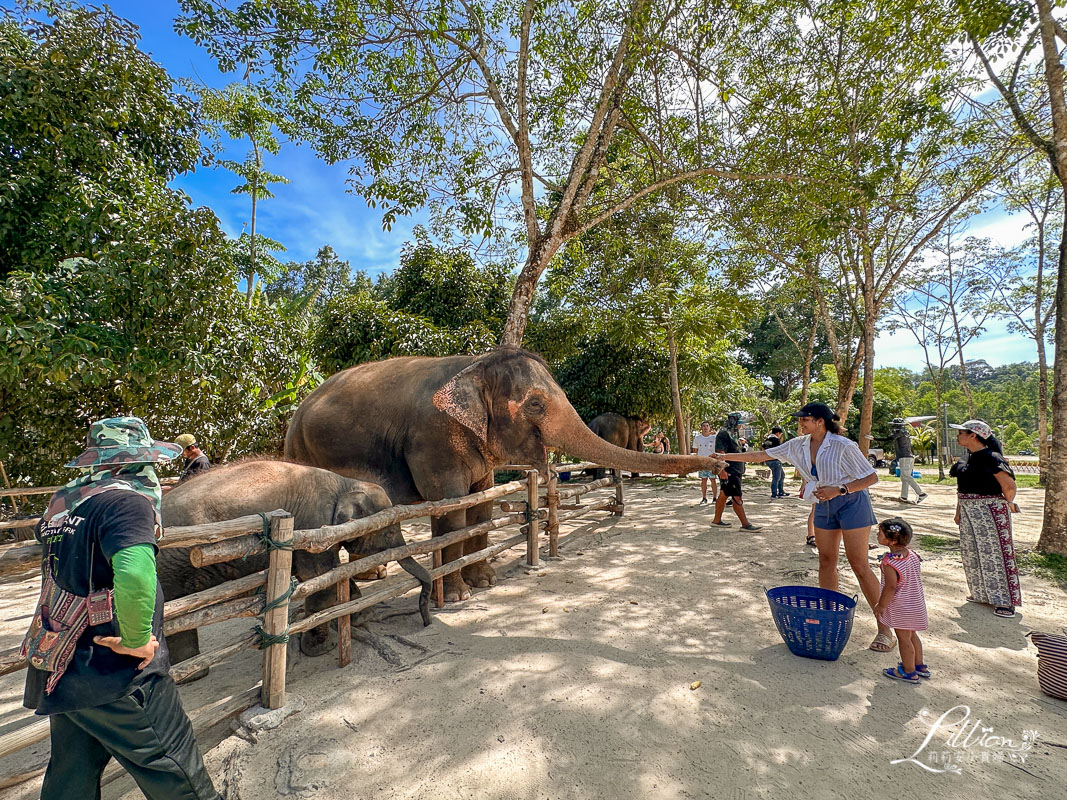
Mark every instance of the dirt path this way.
pixel 574 680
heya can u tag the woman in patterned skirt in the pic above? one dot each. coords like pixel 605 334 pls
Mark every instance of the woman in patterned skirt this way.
pixel 985 486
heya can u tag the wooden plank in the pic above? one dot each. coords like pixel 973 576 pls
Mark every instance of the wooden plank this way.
pixel 208 532
pixel 401 585
pixel 216 594
pixel 619 504
pixel 25 736
pixel 344 630
pixel 565 516
pixel 532 528
pixel 276 619
pixel 585 488
pixel 12 524
pixel 181 672
pixel 231 609
pixel 552 499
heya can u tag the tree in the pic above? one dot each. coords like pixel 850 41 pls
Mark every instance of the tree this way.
pixel 1026 298
pixel 322 278
pixel 892 154
pixel 1041 118
pixel 152 323
pixel 240 113
pixel 474 107
pixel 91 131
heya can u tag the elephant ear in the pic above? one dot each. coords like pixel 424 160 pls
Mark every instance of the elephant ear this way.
pixel 463 399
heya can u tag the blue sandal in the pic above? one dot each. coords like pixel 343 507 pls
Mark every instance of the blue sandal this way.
pixel 921 670
pixel 898 674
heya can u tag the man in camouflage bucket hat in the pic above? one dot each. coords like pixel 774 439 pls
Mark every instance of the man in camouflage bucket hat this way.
pixel 115 697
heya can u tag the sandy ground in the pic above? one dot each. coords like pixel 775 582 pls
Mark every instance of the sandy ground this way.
pixel 575 680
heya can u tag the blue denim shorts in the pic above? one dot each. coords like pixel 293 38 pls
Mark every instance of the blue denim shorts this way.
pixel 846 512
pixel 706 473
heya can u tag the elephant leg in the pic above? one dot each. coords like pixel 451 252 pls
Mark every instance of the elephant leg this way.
pixel 455 588
pixel 184 645
pixel 479 575
pixel 316 642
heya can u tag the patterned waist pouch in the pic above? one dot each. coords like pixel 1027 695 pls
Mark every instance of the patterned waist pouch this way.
pixel 60 620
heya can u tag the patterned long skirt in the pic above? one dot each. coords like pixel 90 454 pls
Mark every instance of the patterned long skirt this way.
pixel 987 550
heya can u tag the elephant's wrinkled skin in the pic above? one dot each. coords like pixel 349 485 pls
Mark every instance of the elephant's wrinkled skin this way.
pixel 315 497
pixel 429 428
pixel 625 432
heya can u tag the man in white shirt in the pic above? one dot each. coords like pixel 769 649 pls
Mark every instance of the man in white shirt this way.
pixel 704 445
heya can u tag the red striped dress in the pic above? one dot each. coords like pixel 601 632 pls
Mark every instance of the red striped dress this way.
pixel 907 610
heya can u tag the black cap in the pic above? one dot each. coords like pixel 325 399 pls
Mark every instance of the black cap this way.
pixel 816 410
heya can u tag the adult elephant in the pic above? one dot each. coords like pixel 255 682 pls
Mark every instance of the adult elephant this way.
pixel 625 432
pixel 430 428
pixel 315 497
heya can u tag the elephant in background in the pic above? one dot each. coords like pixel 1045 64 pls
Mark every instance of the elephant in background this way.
pixel 625 432
pixel 315 497
pixel 430 428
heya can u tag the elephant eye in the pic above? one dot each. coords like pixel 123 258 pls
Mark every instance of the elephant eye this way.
pixel 535 406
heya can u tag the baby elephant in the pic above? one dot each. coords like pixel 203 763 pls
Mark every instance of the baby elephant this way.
pixel 315 497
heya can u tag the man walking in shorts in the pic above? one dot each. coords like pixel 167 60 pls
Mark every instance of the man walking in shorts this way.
pixel 726 442
pixel 704 445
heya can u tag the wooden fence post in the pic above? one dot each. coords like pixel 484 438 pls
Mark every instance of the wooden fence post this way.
pixel 438 583
pixel 552 498
pixel 344 630
pixel 619 505
pixel 533 524
pixel 276 620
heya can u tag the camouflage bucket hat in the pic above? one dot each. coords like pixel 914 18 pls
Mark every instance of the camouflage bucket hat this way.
pixel 123 440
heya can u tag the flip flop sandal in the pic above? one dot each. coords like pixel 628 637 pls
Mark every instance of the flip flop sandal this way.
pixel 1004 611
pixel 975 600
pixel 898 674
pixel 921 670
pixel 721 524
pixel 883 643
pixel 809 542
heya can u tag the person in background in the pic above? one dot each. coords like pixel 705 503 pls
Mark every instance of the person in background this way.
pixel 660 443
pixel 195 460
pixel 97 661
pixel 726 442
pixel 900 441
pixel 837 476
pixel 704 445
pixel 777 470
pixel 985 501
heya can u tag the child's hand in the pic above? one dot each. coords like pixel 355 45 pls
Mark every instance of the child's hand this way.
pixel 957 516
pixel 879 610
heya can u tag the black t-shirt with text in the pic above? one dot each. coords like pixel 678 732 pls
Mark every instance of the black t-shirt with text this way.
pixel 87 539
pixel 977 475
pixel 725 443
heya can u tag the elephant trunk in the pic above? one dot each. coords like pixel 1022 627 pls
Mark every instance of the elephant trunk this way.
pixel 566 431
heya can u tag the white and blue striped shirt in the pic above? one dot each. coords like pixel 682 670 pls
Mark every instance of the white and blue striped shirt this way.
pixel 838 461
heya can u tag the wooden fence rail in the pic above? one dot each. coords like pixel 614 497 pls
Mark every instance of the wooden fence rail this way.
pixel 223 541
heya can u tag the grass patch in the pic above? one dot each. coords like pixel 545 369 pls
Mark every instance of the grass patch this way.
pixel 938 544
pixel 1050 566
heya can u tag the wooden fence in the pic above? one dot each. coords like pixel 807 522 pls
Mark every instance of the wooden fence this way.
pixel 273 532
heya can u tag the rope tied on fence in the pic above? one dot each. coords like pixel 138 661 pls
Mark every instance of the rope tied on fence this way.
pixel 282 598
pixel 268 639
pixel 268 541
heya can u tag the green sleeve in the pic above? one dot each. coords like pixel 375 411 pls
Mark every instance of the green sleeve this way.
pixel 135 592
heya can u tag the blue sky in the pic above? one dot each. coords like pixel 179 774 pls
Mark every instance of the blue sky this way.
pixel 315 209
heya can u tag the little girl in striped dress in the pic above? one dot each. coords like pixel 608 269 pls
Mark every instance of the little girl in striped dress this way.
pixel 902 605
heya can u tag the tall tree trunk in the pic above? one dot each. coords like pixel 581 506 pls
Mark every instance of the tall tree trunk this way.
pixel 1053 537
pixel 867 405
pixel 1042 409
pixel 251 286
pixel 809 357
pixel 541 252
pixel 676 394
pixel 939 392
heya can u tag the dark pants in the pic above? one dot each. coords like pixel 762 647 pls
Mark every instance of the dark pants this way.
pixel 147 732
pixel 777 478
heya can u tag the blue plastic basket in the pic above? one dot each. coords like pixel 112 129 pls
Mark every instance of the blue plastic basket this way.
pixel 814 622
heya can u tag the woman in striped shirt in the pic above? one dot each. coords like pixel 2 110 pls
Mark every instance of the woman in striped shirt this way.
pixel 836 479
